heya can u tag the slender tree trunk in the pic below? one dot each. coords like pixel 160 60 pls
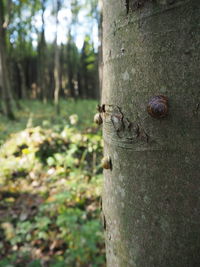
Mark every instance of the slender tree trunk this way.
pixel 56 63
pixel 4 82
pixel 20 58
pixel 84 73
pixel 14 81
pixel 42 81
pixel 62 72
pixel 22 80
pixel 151 195
pixel 70 73
pixel 80 87
pixel 56 78
pixel 70 65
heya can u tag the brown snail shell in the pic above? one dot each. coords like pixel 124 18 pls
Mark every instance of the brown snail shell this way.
pixel 106 163
pixel 158 106
pixel 98 119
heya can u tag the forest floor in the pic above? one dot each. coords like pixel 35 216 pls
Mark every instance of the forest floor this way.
pixel 50 187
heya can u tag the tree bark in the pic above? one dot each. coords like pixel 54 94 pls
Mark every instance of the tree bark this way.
pixel 4 82
pixel 70 61
pixel 151 195
pixel 22 79
pixel 56 62
pixel 56 79
pixel 42 58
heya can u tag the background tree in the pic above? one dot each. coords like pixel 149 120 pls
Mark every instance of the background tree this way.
pixel 72 65
pixel 42 57
pixel 5 86
pixel 56 59
pixel 151 191
pixel 41 69
pixel 88 68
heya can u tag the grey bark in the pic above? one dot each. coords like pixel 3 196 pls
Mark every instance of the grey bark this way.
pixel 151 196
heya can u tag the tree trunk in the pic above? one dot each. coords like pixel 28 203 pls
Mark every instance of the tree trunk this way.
pixel 70 62
pixel 56 63
pixel 56 79
pixel 42 58
pixel 151 194
pixel 22 80
pixel 4 82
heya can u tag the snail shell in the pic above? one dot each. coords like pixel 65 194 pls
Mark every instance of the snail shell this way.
pixel 158 106
pixel 106 163
pixel 98 119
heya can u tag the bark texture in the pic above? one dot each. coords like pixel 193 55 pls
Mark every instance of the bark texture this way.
pixel 151 196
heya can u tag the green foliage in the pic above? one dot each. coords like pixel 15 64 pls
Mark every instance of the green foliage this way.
pixel 88 55
pixel 50 190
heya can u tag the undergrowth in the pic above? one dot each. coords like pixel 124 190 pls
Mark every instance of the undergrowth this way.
pixel 50 187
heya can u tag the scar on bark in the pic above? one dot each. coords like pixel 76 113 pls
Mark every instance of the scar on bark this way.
pixel 196 110
pixel 119 126
pixel 101 108
pixel 100 204
pixel 142 134
pixel 136 4
pixel 127 6
pixel 198 106
pixel 103 219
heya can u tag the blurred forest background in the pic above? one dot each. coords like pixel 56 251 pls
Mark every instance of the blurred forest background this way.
pixel 50 148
